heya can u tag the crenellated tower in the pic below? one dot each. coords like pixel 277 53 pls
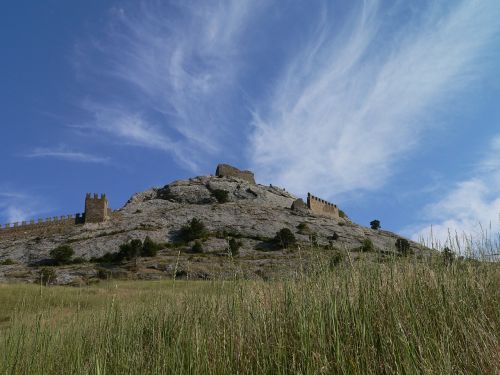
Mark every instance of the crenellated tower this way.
pixel 96 208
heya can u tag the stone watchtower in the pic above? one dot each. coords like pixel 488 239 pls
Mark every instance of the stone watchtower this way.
pixel 96 209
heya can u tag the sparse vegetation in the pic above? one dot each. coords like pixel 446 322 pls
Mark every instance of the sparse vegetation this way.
pixel 7 262
pixel 149 248
pixel 403 246
pixel 234 246
pixel 194 229
pixel 375 224
pixel 285 238
pixel 367 246
pixel 303 228
pixel 342 214
pixel 197 247
pixel 222 196
pixel 46 275
pixel 62 254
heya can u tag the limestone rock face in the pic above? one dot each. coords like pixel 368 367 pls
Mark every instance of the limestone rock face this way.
pixel 253 213
pixel 226 170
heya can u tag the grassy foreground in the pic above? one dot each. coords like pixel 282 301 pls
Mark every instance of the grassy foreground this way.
pixel 399 317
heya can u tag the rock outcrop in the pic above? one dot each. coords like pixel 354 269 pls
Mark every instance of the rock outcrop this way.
pixel 252 213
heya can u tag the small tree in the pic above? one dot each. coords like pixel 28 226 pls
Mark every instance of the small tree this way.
pixel 193 230
pixel 375 224
pixel 222 196
pixel 403 246
pixel 367 245
pixel 62 254
pixel 149 248
pixel 234 246
pixel 342 214
pixel 130 250
pixel 285 238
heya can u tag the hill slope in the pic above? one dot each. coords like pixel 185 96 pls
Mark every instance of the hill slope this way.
pixel 253 214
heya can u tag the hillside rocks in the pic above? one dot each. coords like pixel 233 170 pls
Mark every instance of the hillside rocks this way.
pixel 253 213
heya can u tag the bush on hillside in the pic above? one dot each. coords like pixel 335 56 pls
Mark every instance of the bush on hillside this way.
pixel 303 228
pixel 367 245
pixel 285 238
pixel 149 248
pixel 62 254
pixel 197 247
pixel 234 246
pixel 130 250
pixel 46 275
pixel 222 196
pixel 193 230
pixel 375 224
pixel 403 246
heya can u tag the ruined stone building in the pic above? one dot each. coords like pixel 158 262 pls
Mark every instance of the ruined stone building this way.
pixel 96 209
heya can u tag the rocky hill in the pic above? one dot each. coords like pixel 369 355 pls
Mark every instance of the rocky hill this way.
pixel 249 212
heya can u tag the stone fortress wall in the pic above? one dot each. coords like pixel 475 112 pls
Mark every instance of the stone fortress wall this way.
pixel 321 207
pixel 226 170
pixel 96 210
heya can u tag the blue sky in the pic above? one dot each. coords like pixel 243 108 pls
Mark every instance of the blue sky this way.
pixel 388 108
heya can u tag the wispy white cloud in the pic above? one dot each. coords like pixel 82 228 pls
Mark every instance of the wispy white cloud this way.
pixel 16 206
pixel 471 209
pixel 181 61
pixel 66 154
pixel 354 101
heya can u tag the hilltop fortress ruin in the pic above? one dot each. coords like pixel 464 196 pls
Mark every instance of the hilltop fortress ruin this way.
pixel 97 209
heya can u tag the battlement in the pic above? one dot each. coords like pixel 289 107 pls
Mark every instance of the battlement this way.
pixel 96 211
pixel 96 208
pixel 321 207
pixel 42 224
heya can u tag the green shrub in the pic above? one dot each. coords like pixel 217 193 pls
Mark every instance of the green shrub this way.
pixel 78 260
pixel 375 224
pixel 234 246
pixel 103 274
pixel 46 275
pixel 222 196
pixel 303 228
pixel 403 246
pixel 7 262
pixel 193 230
pixel 342 214
pixel 149 248
pixel 62 254
pixel 130 250
pixel 367 245
pixel 284 238
pixel 197 247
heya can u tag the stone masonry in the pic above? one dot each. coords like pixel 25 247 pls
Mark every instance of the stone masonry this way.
pixel 96 208
pixel 321 207
pixel 226 170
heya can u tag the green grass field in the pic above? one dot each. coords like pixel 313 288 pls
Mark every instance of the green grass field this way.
pixel 399 317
